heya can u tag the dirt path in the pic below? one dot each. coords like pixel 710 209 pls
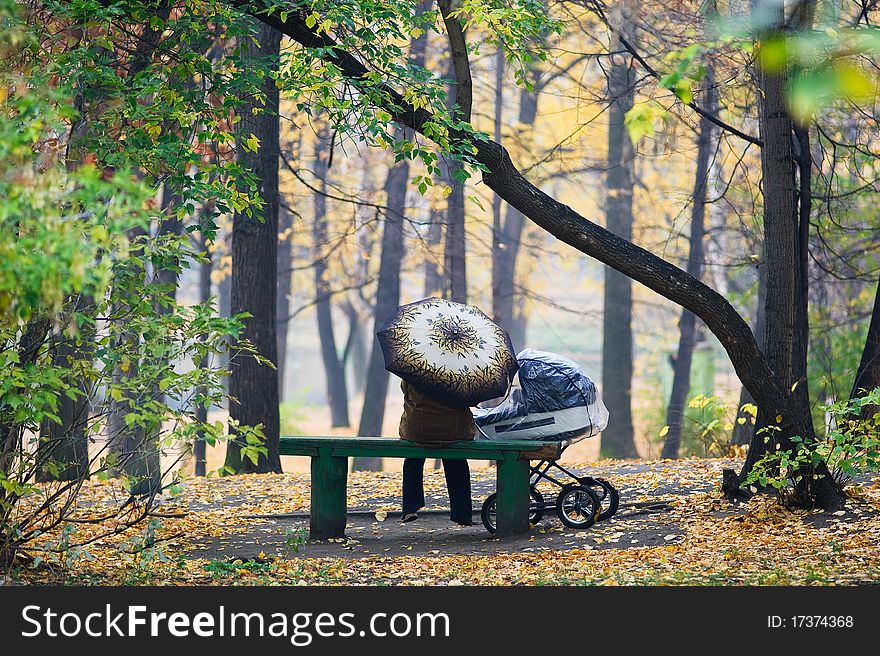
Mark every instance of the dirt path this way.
pixel 636 524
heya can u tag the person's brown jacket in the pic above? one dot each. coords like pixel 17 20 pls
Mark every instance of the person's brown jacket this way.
pixel 430 422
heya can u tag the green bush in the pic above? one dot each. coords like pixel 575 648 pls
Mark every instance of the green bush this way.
pixel 850 446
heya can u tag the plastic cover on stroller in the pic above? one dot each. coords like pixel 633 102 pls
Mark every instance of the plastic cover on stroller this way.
pixel 553 399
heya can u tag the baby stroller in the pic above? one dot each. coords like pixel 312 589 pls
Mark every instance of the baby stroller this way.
pixel 552 399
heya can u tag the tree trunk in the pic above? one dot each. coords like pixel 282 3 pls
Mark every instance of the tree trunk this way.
pixel 803 21
pixel 454 260
pixel 133 452
pixel 433 274
pixel 497 243
pixel 507 245
pixel 337 393
pixel 282 303
pixel 66 444
pixel 388 287
pixel 780 238
pixel 387 299
pixel 253 386
pixel 617 337
pixel 687 324
pixel 199 447
pixel 868 374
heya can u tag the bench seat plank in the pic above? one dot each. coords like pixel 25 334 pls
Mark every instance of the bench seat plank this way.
pixel 396 448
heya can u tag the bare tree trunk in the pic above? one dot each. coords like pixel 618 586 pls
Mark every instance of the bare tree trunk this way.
pixel 433 275
pixel 617 337
pixel 199 447
pixel 687 324
pixel 388 287
pixel 337 392
pixel 802 20
pixel 507 244
pixel 387 299
pixel 253 387
pixel 497 243
pixel 66 445
pixel 785 227
pixel 282 303
pixel 459 102
pixel 355 353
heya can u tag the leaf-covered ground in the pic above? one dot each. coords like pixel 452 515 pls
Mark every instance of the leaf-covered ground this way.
pixel 672 528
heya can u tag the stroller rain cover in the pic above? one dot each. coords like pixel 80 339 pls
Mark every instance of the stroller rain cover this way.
pixel 554 399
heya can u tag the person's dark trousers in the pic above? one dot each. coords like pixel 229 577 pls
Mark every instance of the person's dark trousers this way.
pixel 458 484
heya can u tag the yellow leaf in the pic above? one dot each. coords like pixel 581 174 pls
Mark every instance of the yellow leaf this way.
pixel 663 431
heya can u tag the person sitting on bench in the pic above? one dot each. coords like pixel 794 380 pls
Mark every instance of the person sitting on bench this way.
pixel 432 423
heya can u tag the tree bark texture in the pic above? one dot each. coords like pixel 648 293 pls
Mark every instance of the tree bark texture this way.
pixel 507 243
pixel 199 447
pixel 387 299
pixel 388 287
pixel 282 303
pixel 868 374
pixel 617 337
pixel 681 377
pixel 253 386
pixel 337 392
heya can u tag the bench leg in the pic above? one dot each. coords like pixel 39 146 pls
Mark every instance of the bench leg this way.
pixel 512 502
pixel 328 509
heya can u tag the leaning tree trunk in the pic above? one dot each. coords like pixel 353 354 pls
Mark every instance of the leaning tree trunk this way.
pixel 337 392
pixel 253 386
pixel 617 336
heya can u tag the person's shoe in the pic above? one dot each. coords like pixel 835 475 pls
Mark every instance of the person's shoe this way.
pixel 466 522
pixel 408 517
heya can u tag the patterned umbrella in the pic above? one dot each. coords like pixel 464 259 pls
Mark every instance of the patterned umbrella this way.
pixel 448 350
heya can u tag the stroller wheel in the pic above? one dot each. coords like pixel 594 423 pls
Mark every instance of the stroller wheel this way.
pixel 578 506
pixel 488 512
pixel 608 496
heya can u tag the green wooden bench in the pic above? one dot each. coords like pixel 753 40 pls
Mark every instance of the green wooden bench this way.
pixel 327 516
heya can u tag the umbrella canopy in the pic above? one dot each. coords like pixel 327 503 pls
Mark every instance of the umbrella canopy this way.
pixel 448 350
